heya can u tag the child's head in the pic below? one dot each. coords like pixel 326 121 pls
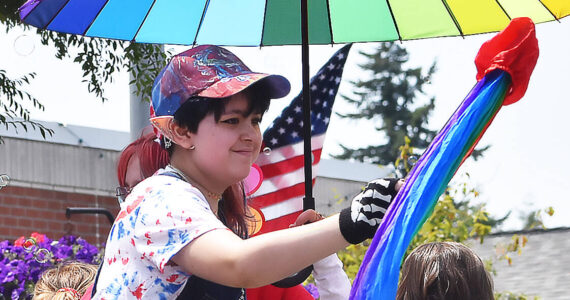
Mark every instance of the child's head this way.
pixel 67 281
pixel 444 270
pixel 139 160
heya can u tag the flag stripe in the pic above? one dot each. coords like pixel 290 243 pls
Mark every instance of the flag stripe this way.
pixel 286 152
pixel 283 208
pixel 283 181
pixel 279 195
pixel 289 165
pixel 280 223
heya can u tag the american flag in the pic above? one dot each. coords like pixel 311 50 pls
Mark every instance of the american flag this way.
pixel 280 197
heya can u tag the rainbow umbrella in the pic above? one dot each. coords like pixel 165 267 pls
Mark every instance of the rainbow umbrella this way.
pixel 283 22
pixel 504 66
pixel 278 22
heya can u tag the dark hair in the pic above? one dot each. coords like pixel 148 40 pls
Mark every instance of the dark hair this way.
pixel 190 114
pixel 444 271
pixel 195 109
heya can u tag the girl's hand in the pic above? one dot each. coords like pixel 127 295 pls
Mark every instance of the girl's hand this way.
pixel 360 221
pixel 308 216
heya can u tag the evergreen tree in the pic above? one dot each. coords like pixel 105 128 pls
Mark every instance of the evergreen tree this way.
pixel 388 98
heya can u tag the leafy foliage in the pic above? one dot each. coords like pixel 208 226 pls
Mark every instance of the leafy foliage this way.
pixel 99 59
pixel 12 111
pixel 535 218
pixel 513 296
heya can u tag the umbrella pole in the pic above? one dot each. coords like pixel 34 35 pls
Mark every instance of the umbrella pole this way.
pixel 308 201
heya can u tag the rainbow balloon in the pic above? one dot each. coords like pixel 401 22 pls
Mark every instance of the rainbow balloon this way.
pixel 504 66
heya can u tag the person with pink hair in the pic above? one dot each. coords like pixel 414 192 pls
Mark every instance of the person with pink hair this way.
pixel 139 160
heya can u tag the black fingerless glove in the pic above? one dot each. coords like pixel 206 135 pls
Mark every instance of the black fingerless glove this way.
pixel 360 221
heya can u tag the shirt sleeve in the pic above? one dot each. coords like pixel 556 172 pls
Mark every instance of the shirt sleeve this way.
pixel 173 214
pixel 330 279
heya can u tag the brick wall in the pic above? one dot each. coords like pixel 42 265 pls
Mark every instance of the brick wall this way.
pixel 24 210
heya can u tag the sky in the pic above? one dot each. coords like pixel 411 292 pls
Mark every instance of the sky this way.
pixel 524 169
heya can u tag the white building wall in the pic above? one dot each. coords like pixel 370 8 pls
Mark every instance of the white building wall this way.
pixel 60 167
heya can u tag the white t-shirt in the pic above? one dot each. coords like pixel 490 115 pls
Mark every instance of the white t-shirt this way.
pixel 160 216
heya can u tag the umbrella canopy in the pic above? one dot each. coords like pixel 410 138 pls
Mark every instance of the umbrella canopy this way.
pixel 278 22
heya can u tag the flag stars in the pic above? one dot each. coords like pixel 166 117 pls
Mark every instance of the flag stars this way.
pixel 331 92
pixel 281 130
pixel 317 101
pixel 322 77
pixel 289 120
pixel 326 120
pixel 330 66
pixel 301 124
pixel 325 90
pixel 337 80
pixel 297 109
pixel 340 56
pixel 294 134
pixel 314 87
pixel 273 141
pixel 325 104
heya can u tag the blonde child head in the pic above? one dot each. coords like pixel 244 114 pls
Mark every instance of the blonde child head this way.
pixel 67 281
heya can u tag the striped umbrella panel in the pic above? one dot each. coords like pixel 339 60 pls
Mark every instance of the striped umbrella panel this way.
pixel 277 22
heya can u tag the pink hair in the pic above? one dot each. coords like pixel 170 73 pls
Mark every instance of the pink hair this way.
pixel 152 157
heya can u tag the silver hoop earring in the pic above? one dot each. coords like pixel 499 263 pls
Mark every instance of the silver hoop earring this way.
pixel 192 147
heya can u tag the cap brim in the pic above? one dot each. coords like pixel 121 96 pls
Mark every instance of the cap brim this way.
pixel 276 85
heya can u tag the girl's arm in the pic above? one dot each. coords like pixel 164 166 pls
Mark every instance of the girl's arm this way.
pixel 222 257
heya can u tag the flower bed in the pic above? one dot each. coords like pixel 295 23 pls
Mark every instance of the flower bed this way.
pixel 22 262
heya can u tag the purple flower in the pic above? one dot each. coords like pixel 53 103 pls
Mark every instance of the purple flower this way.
pixel 21 268
pixel 8 277
pixel 67 240
pixel 312 289
pixel 16 293
pixel 87 252
pixel 63 251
